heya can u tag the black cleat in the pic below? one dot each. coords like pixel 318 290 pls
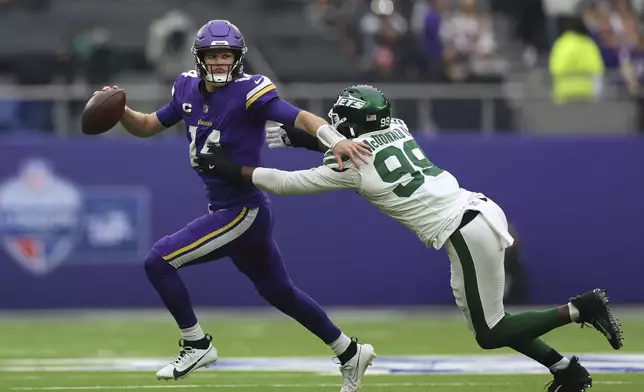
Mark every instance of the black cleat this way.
pixel 593 309
pixel 574 378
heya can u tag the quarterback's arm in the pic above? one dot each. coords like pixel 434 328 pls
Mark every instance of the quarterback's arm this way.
pixel 301 139
pixel 286 114
pixel 329 138
pixel 141 124
pixel 265 102
pixel 137 123
pixel 319 128
pixel 297 138
pixel 316 180
pixel 149 124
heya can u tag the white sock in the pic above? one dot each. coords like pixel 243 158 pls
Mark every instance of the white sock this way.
pixel 574 312
pixel 340 345
pixel 193 333
pixel 561 365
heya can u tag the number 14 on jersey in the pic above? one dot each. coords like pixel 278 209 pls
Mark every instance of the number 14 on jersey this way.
pixel 212 138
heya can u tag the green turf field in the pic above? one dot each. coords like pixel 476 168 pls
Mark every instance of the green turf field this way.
pixel 121 352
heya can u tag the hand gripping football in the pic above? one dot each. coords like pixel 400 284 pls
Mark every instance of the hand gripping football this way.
pixel 103 111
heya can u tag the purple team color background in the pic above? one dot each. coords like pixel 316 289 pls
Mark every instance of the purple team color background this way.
pixel 578 205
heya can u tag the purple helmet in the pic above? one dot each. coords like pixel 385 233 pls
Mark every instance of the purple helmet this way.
pixel 219 34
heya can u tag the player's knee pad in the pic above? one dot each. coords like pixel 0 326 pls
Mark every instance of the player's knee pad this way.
pixel 154 264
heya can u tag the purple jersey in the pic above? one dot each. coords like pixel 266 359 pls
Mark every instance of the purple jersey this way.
pixel 235 117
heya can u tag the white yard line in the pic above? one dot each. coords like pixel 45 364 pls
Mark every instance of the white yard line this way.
pixel 191 386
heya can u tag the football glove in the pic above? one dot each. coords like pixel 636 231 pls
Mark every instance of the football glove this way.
pixel 216 163
pixel 285 136
pixel 276 137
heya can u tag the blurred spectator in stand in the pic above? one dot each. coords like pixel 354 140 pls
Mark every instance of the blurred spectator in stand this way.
pixel 468 42
pixel 530 24
pixel 426 22
pixel 576 65
pixel 615 27
pixel 327 17
pixel 169 43
pixel 337 20
pixel 354 11
pixel 384 33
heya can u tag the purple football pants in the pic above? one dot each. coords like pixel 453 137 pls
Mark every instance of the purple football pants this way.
pixel 245 235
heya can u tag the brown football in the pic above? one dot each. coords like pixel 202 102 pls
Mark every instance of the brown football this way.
pixel 103 111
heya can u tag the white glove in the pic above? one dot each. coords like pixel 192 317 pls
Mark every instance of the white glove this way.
pixel 276 137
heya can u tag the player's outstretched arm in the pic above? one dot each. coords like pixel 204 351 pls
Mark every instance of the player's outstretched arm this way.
pixel 301 182
pixel 318 180
pixel 137 123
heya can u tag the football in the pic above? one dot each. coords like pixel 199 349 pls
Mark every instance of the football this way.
pixel 103 111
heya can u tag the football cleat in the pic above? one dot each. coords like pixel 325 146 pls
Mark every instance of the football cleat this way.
pixel 593 309
pixel 353 370
pixel 189 360
pixel 574 378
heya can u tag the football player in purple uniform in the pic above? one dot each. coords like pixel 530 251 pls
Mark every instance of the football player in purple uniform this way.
pixel 222 105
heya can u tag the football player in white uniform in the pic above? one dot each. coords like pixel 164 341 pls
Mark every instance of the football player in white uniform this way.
pixel 401 182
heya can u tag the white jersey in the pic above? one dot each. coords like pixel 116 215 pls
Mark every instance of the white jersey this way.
pixel 405 185
pixel 399 180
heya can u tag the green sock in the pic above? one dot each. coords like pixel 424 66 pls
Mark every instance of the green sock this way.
pixel 538 350
pixel 527 326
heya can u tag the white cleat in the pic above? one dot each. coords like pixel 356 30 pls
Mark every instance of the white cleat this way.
pixel 189 360
pixel 353 370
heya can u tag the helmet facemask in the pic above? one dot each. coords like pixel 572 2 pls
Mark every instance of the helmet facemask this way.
pixel 342 125
pixel 206 72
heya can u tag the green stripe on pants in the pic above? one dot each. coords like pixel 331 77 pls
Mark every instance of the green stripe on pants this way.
pixel 470 283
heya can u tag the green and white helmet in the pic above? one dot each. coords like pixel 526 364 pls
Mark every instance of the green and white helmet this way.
pixel 360 109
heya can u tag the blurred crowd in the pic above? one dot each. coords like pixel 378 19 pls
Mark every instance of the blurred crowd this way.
pixel 588 47
pixel 393 40
pixel 616 27
pixel 459 40
pixel 434 40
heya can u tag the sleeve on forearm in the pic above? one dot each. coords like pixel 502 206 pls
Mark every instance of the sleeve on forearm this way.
pixel 317 180
pixel 300 138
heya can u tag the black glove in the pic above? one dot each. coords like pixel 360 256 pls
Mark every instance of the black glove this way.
pixel 301 139
pixel 216 163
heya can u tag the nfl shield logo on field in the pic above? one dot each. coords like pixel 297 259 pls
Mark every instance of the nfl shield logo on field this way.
pixel 40 217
